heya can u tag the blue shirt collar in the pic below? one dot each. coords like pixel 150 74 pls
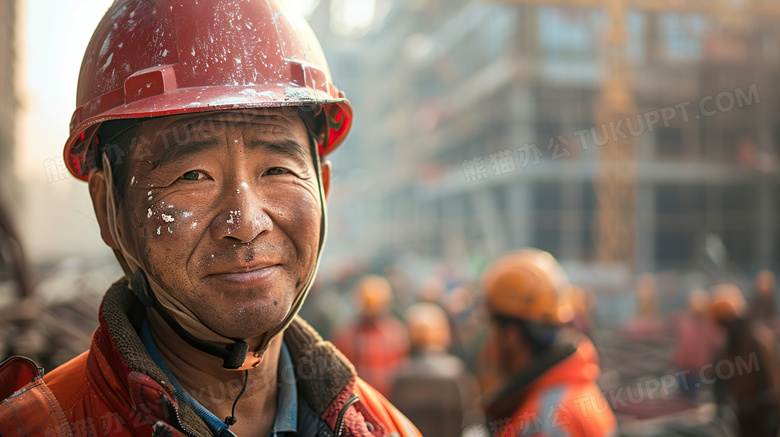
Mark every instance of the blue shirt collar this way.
pixel 286 420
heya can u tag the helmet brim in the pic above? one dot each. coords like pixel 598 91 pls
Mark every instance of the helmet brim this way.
pixel 337 113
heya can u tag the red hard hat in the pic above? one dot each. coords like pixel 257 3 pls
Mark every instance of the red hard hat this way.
pixel 166 57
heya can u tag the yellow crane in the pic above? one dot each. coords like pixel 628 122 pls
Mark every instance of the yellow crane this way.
pixel 616 181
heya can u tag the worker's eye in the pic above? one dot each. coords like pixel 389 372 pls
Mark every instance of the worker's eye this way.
pixel 277 171
pixel 192 175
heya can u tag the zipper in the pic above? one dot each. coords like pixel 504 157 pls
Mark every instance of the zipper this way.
pixel 186 431
pixel 340 421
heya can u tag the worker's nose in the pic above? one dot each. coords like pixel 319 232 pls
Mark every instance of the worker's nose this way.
pixel 242 216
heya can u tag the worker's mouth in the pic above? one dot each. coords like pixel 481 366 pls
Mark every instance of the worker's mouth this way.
pixel 254 276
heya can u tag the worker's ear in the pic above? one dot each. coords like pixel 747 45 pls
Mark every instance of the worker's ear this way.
pixel 98 190
pixel 326 168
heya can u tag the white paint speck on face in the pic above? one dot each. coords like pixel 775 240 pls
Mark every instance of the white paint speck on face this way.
pixel 132 180
pixel 186 214
pixel 149 213
pixel 158 230
pixel 167 218
pixel 194 225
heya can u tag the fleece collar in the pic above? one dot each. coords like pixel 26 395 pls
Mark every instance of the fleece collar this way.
pixel 322 372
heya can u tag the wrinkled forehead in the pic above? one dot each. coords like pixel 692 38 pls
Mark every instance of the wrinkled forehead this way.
pixel 271 121
pixel 161 135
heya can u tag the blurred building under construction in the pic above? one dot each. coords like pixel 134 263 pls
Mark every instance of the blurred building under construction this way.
pixel 483 126
pixel 8 98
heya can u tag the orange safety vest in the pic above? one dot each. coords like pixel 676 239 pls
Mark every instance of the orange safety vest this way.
pixel 562 401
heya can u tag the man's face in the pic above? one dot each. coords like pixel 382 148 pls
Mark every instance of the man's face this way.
pixel 225 215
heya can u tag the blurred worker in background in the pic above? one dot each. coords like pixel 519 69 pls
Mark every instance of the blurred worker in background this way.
pixel 547 375
pixel 646 297
pixel 432 289
pixel 433 388
pixel 748 380
pixel 647 325
pixel 202 130
pixel 764 303
pixel 376 342
pixel 695 341
pixel 401 284
pixel 465 315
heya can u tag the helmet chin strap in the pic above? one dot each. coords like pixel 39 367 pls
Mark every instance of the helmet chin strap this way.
pixel 234 352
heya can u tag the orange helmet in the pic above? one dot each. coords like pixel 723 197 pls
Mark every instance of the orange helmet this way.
pixel 373 296
pixel 727 303
pixel 429 327
pixel 528 284
pixel 166 57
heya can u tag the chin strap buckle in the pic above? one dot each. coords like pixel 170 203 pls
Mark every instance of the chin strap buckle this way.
pixel 236 356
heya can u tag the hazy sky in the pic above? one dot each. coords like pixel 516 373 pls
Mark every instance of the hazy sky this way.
pixel 54 215
pixel 55 34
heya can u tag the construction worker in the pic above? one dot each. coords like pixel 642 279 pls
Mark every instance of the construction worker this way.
pixel 434 388
pixel 376 342
pixel 202 128
pixel 646 325
pixel 696 338
pixel 746 374
pixel 764 303
pixel 547 375
pixel 432 289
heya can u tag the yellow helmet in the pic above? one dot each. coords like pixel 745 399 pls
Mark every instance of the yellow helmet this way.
pixel 727 303
pixel 530 285
pixel 373 296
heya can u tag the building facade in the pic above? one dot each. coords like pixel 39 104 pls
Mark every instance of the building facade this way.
pixel 476 132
